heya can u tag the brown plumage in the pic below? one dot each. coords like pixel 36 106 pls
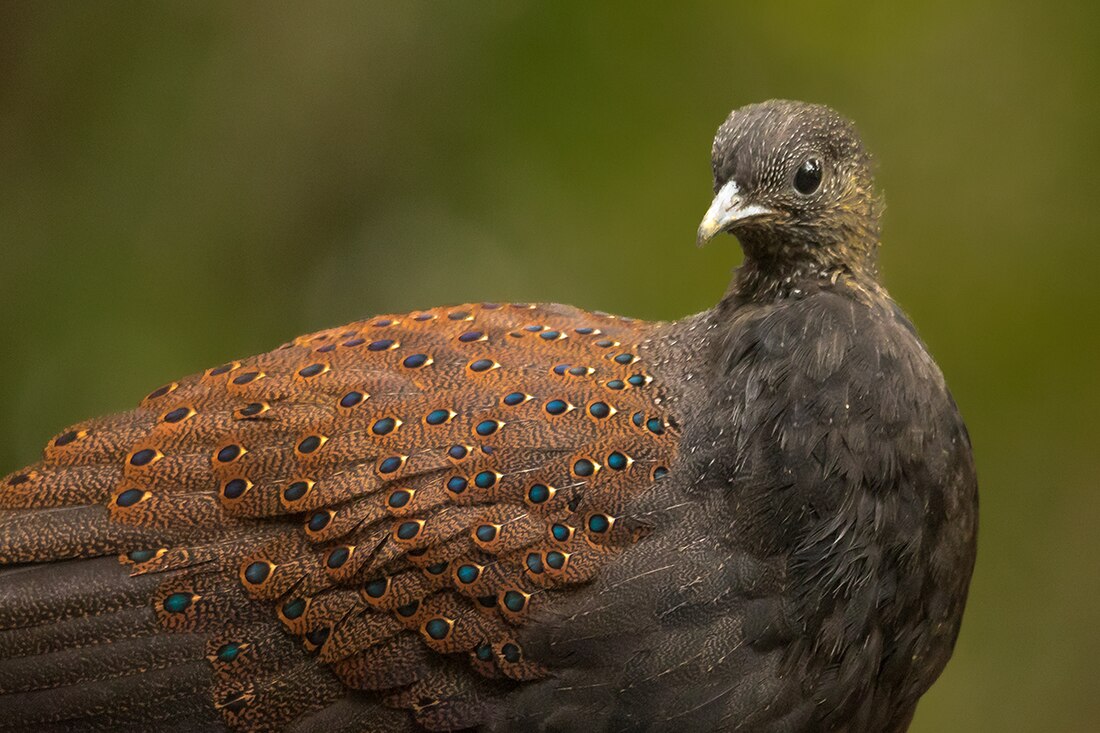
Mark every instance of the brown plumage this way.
pixel 513 515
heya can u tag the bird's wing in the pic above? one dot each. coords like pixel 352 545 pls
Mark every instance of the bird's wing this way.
pixel 377 507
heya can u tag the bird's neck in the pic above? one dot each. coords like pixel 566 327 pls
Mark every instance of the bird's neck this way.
pixel 777 269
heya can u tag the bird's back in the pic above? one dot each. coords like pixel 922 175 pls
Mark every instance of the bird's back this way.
pixel 354 527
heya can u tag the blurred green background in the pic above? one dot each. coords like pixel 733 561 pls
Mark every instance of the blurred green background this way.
pixel 185 183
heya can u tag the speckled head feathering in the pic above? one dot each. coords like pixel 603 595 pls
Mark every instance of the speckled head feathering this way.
pixel 520 517
pixel 793 182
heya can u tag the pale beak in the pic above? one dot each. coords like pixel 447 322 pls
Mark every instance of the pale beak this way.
pixel 727 209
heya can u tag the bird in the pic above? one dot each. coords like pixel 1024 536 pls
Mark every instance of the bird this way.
pixel 521 516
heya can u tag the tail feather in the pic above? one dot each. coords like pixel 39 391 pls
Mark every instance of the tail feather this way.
pixel 32 595
pixel 67 532
pixel 182 690
pixel 87 665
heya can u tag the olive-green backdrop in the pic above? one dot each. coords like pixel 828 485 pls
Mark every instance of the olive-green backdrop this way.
pixel 182 183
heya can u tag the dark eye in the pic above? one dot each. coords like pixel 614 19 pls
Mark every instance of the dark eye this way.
pixel 808 177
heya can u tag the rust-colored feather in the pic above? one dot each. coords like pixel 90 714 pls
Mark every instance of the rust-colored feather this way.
pixel 396 494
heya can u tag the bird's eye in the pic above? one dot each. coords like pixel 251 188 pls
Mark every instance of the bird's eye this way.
pixel 808 177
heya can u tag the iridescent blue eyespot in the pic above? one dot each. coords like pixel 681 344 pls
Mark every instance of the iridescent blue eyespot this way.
pixel 561 369
pixel 557 407
pixel 296 491
pixel 584 330
pixel 468 573
pixel 487 427
pixel 399 498
pixel 484 652
pixel 538 494
pixel 353 342
pixel 481 365
pixel 161 391
pixel 486 532
pixel 415 361
pixel 177 602
pixel 310 444
pixel 129 497
pixel 599 409
pixel 470 336
pixel 228 652
pixel 390 464
pixel 599 523
pixel 351 399
pixel 605 343
pixel 245 378
pixel 377 588
pixel 578 371
pixel 458 315
pixel 142 555
pixel 438 417
pixel 655 426
pixel 457 484
pixel 511 653
pixel 234 488
pixel 229 453
pixel 636 380
pixel 176 415
pixel 319 521
pixel 438 628
pixel 637 418
pixel 549 335
pixel 294 608
pixel 514 399
pixel 257 572
pixel 144 457
pixel 534 563
pixel 617 461
pixel 616 384
pixel 533 328
pixel 384 426
pixel 458 452
pixel 485 479
pixel 380 345
pixel 514 601
pixel 338 557
pixel 555 559
pixel 584 467
pixel 408 609
pixel 408 530
pixel 660 472
pixel 311 371
pixel 624 358
pixel 437 568
pixel 560 532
